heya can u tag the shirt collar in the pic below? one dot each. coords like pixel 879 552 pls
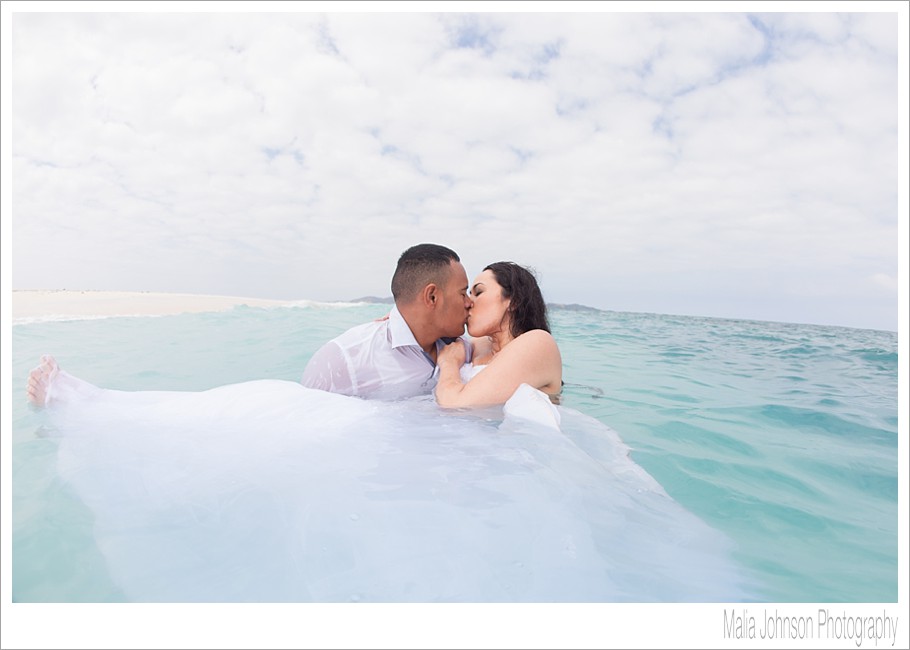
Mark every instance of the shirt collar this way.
pixel 400 333
pixel 401 336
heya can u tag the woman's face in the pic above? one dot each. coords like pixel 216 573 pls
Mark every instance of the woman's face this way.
pixel 488 314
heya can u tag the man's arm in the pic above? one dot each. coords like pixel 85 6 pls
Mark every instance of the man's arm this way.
pixel 328 370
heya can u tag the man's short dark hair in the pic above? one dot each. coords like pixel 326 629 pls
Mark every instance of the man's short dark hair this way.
pixel 419 266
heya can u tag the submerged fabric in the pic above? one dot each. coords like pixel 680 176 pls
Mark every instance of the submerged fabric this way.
pixel 270 491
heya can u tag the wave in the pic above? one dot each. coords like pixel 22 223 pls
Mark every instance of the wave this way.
pixel 293 304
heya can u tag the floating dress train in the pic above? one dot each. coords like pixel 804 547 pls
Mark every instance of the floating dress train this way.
pixel 268 491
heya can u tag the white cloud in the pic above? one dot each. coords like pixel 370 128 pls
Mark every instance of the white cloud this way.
pixel 630 158
pixel 885 281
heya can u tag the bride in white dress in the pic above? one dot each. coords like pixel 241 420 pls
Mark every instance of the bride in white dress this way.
pixel 270 491
pixel 512 342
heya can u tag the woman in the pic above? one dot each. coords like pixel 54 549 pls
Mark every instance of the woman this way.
pixel 512 343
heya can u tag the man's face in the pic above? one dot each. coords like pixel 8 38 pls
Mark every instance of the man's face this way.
pixel 452 313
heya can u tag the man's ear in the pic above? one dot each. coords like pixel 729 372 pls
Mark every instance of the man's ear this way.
pixel 429 295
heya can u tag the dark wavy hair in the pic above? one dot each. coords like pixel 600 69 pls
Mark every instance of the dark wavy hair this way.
pixel 527 307
pixel 419 266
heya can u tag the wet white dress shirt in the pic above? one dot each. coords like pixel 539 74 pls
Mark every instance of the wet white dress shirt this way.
pixel 380 359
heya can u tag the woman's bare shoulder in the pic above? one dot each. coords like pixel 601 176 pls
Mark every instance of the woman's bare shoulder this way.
pixel 534 344
pixel 536 337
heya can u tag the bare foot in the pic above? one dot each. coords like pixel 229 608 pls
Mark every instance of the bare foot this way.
pixel 39 380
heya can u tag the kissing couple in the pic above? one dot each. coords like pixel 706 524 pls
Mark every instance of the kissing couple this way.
pixel 420 347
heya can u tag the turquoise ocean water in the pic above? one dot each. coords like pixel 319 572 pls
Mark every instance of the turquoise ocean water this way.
pixel 783 437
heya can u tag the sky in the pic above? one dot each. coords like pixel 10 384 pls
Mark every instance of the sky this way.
pixel 729 164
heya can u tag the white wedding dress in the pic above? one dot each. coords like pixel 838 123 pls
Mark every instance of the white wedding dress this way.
pixel 526 404
pixel 269 491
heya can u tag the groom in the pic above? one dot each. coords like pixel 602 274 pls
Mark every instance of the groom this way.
pixel 396 357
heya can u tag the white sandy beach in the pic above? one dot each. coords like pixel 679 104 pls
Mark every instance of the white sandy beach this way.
pixel 52 304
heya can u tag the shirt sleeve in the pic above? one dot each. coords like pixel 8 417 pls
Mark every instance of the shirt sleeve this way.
pixel 328 370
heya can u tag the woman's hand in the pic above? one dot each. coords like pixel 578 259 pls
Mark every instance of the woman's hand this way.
pixel 454 353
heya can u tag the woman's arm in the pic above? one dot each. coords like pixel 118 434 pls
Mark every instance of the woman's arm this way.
pixel 533 358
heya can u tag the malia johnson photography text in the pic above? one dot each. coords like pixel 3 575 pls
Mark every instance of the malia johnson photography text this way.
pixel 742 624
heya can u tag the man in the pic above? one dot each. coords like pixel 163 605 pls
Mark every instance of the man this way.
pixel 396 357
